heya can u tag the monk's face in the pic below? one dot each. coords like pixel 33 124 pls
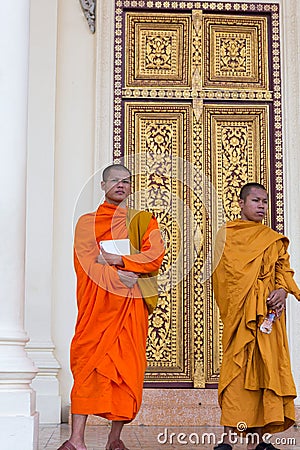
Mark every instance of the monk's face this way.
pixel 117 186
pixel 255 206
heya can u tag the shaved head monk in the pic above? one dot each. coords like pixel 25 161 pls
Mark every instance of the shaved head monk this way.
pixel 116 291
pixel 252 279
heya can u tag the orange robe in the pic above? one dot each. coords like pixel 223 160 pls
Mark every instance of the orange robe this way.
pixel 256 384
pixel 108 350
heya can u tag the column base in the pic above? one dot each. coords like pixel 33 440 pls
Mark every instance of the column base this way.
pixel 49 407
pixel 45 384
pixel 19 432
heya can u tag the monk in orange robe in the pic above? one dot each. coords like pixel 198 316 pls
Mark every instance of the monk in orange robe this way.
pixel 253 276
pixel 115 294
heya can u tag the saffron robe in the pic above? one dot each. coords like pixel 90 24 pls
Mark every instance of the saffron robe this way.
pixel 108 350
pixel 256 384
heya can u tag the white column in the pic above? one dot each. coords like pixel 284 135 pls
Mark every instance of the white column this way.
pixel 18 418
pixel 40 198
pixel 291 93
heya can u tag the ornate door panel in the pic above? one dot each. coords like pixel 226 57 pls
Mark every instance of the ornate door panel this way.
pixel 197 114
pixel 157 142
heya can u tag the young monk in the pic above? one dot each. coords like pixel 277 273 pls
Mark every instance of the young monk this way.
pixel 256 386
pixel 115 294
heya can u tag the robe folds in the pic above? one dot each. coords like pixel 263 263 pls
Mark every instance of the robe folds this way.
pixel 108 350
pixel 256 384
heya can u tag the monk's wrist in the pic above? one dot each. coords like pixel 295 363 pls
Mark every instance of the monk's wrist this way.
pixel 121 263
pixel 283 290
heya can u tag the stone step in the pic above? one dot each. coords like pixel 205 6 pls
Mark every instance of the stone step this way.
pixel 178 407
pixel 175 407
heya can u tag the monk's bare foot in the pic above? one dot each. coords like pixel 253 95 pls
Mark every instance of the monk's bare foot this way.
pixel 81 447
pixel 71 445
pixel 117 444
pixel 78 445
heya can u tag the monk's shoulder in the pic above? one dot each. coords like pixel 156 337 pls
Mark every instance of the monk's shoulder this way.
pixel 273 234
pixel 86 221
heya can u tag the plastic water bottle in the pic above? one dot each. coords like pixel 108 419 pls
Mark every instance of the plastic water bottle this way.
pixel 266 326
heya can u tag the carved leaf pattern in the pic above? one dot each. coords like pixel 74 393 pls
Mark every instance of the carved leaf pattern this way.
pixel 158 52
pixel 199 221
pixel 159 138
pixel 158 145
pixel 234 141
pixel 233 55
pixel 158 48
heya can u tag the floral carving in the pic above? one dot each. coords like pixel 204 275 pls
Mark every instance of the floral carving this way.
pixel 234 142
pixel 159 137
pixel 233 55
pixel 89 10
pixel 158 52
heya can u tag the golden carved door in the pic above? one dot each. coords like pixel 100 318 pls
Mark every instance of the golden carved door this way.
pixel 197 114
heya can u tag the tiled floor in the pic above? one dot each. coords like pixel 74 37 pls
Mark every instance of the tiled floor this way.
pixel 158 438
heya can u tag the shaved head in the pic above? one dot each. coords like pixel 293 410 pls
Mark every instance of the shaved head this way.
pixel 246 189
pixel 107 170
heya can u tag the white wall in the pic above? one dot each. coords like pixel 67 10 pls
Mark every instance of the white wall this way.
pixel 74 164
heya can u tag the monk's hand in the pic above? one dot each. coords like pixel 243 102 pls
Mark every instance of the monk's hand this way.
pixel 128 278
pixel 276 300
pixel 110 259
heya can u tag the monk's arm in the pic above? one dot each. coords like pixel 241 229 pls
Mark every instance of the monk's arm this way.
pixel 128 278
pixel 284 274
pixel 86 252
pixel 110 258
pixel 151 254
